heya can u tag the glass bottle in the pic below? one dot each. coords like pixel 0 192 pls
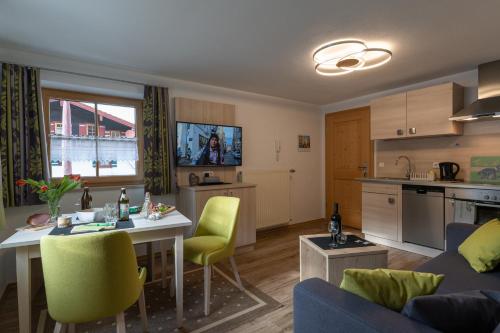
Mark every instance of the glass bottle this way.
pixel 123 206
pixel 335 225
pixel 86 201
pixel 146 206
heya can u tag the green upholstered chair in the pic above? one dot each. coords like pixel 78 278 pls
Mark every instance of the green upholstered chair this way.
pixel 214 239
pixel 91 276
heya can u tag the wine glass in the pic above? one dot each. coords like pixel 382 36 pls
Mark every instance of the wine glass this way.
pixel 341 238
pixel 333 228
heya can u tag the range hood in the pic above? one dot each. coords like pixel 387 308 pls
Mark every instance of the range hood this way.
pixel 487 106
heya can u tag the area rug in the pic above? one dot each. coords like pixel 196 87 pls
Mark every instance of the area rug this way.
pixel 229 307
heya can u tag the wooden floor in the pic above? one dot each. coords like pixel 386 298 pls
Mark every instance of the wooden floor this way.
pixel 273 267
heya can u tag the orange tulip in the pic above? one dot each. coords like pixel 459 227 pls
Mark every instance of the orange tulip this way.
pixel 44 188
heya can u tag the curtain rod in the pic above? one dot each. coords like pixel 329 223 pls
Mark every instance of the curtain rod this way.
pixel 74 73
pixel 90 75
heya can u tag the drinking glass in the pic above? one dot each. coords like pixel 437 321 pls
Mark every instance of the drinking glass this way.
pixel 334 229
pixel 110 212
pixel 341 238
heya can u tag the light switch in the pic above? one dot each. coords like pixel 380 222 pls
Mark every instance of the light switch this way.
pixel 381 164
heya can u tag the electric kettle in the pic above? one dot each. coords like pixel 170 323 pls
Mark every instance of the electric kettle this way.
pixel 446 170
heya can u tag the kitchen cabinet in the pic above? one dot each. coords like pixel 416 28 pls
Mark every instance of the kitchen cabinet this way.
pixel 192 199
pixel 381 211
pixel 417 113
pixel 428 110
pixel 388 117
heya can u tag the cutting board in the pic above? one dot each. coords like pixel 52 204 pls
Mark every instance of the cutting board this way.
pixel 485 169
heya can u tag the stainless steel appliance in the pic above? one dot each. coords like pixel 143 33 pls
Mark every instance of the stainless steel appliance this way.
pixel 446 171
pixel 423 215
pixel 487 106
pixel 471 205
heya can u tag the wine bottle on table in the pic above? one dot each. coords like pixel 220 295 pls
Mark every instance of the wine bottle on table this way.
pixel 86 201
pixel 336 218
pixel 335 225
pixel 123 206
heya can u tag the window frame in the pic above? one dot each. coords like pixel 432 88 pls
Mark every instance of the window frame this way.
pixel 48 94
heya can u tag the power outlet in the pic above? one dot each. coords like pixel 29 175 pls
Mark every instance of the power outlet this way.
pixel 435 165
pixel 381 164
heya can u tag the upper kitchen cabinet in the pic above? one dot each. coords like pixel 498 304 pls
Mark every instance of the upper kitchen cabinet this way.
pixel 388 117
pixel 428 110
pixel 417 113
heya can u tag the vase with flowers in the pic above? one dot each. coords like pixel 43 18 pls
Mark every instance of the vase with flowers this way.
pixel 52 192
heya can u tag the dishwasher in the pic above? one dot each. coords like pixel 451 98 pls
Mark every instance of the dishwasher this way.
pixel 423 215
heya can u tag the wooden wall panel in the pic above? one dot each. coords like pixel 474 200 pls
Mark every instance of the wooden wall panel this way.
pixel 196 111
pixel 479 139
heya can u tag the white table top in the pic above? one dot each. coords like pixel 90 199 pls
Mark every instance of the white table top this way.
pixel 172 220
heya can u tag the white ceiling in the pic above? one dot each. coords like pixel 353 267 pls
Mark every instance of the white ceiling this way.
pixel 262 46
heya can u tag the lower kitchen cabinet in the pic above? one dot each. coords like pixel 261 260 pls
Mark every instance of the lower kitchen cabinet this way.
pixel 192 199
pixel 381 211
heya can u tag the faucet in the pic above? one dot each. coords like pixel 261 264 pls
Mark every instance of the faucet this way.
pixel 409 169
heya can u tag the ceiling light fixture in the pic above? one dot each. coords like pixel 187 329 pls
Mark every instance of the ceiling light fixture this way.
pixel 345 56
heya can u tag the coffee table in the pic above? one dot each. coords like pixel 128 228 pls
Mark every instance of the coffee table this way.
pixel 329 264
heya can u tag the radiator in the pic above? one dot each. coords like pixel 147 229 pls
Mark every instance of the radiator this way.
pixel 273 196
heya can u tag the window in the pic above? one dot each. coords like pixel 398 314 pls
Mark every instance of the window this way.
pixel 97 137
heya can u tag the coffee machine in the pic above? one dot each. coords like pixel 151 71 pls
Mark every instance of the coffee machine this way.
pixel 446 170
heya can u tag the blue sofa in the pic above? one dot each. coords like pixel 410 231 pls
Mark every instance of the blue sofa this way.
pixel 323 307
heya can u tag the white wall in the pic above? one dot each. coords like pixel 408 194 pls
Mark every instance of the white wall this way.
pixel 263 119
pixel 467 79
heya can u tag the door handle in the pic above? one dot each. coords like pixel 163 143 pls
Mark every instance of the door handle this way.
pixel 399 131
pixel 391 201
pixel 413 130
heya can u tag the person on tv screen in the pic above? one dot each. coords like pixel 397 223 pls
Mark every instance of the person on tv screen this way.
pixel 212 154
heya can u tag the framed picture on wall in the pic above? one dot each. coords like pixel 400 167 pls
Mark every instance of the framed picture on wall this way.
pixel 304 143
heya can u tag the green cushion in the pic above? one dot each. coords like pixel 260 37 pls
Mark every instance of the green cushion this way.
pixel 215 234
pixel 90 276
pixel 202 249
pixel 388 287
pixel 482 248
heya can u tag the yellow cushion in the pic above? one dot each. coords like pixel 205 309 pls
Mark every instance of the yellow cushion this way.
pixel 204 250
pixel 388 287
pixel 482 248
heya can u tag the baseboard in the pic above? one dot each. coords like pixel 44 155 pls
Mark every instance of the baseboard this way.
pixel 422 250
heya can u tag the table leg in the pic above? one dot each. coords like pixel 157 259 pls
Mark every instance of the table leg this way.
pixel 179 262
pixel 23 271
pixel 163 249
pixel 150 266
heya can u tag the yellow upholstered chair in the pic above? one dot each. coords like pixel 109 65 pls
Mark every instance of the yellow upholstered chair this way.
pixel 214 239
pixel 91 276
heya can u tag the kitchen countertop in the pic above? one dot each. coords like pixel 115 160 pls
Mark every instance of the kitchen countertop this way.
pixel 454 184
pixel 217 187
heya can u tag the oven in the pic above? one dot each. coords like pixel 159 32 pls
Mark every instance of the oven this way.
pixel 471 205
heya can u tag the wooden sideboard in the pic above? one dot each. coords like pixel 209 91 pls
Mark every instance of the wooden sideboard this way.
pixel 192 199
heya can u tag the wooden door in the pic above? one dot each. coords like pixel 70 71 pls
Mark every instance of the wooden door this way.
pixel 348 151
pixel 388 117
pixel 428 110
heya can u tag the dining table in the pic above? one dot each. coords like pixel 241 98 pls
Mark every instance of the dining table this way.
pixel 27 245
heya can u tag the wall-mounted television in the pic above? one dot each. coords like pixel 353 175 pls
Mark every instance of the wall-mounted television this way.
pixel 208 145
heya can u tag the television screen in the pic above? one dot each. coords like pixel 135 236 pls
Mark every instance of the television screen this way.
pixel 208 145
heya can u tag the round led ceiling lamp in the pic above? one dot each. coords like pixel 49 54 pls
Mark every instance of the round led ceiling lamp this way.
pixel 346 56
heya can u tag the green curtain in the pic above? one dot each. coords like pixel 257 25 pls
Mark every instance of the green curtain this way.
pixel 157 141
pixel 22 134
pixel 2 211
